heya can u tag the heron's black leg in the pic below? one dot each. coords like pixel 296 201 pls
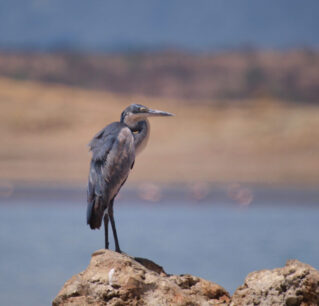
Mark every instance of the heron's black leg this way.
pixel 106 230
pixel 110 212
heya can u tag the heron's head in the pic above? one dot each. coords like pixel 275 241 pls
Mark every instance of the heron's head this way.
pixel 136 113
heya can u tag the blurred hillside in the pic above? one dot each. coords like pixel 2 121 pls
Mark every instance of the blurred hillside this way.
pixel 291 75
pixel 45 128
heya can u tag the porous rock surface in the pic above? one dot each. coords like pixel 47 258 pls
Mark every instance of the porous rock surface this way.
pixel 117 279
pixel 296 284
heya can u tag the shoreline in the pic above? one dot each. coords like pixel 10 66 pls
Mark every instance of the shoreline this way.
pixel 158 195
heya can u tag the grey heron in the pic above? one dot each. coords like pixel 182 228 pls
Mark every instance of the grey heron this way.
pixel 113 155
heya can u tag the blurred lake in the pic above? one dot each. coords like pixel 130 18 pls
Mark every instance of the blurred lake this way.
pixel 44 238
pixel 125 25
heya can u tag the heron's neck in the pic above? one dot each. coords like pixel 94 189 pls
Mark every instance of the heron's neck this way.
pixel 141 133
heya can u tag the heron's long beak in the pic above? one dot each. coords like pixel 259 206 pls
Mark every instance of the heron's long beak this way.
pixel 154 112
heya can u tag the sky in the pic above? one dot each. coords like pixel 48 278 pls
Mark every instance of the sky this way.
pixel 125 24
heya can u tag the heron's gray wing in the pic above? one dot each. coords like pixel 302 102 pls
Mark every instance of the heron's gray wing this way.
pixel 102 142
pixel 113 155
pixel 100 145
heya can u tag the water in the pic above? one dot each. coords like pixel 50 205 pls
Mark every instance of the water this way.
pixel 43 245
pixel 129 25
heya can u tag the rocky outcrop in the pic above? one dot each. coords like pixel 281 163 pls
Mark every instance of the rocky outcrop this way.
pixel 117 279
pixel 296 284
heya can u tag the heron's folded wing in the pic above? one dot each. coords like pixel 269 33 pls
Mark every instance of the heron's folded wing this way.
pixel 112 157
pixel 101 146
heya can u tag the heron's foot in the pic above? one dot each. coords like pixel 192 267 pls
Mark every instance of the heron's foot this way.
pixel 118 250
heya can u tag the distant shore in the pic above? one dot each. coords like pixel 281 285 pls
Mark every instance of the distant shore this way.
pixel 142 194
pixel 290 75
pixel 45 129
pixel 231 125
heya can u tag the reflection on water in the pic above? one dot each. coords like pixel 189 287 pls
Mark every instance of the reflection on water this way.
pixel 43 245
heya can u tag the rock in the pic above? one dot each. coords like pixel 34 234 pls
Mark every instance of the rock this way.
pixel 117 279
pixel 296 284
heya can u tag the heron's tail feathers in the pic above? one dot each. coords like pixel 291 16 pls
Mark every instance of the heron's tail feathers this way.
pixel 94 213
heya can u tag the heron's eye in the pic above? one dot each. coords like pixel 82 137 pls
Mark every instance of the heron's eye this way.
pixel 142 109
